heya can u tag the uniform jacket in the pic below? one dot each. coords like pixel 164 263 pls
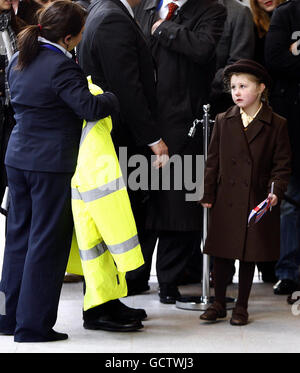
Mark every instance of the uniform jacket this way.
pixel 114 52
pixel 239 171
pixel 284 67
pixel 49 113
pixel 184 50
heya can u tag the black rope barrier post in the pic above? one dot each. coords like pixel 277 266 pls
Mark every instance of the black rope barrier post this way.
pixel 192 302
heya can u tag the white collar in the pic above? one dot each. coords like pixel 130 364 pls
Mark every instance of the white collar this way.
pixel 178 2
pixel 128 7
pixel 65 52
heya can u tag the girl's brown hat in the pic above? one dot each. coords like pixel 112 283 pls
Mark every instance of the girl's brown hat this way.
pixel 248 67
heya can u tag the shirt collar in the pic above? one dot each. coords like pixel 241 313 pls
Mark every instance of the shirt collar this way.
pixel 128 7
pixel 178 2
pixel 65 52
pixel 246 119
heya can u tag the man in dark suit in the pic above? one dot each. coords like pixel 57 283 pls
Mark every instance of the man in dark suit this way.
pixel 114 52
pixel 183 36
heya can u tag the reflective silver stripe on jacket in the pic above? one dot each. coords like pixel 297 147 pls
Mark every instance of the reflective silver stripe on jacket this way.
pixel 122 247
pixel 97 193
pixel 100 248
pixel 88 127
pixel 94 252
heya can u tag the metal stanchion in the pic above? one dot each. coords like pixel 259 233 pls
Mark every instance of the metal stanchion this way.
pixel 192 302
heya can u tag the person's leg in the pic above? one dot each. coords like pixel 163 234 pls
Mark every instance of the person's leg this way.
pixel 173 252
pixel 246 273
pixel 287 267
pixel 48 249
pixel 18 228
pixel 222 274
pixel 137 280
pixel 239 313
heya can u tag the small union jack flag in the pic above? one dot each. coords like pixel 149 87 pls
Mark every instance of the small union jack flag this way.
pixel 259 211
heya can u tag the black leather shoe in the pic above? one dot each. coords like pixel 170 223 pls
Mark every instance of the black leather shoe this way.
pixel 285 287
pixel 168 294
pixel 118 308
pixel 112 324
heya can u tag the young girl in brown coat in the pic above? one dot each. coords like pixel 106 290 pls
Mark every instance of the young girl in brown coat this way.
pixel 249 150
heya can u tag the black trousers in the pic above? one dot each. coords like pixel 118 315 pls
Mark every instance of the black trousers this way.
pixel 173 252
pixel 38 241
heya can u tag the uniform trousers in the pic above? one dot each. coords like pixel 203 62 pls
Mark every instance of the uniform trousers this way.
pixel 38 241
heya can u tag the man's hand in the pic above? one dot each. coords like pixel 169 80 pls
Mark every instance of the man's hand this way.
pixel 155 25
pixel 162 154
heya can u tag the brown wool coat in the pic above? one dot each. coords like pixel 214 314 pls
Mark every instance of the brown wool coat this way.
pixel 239 171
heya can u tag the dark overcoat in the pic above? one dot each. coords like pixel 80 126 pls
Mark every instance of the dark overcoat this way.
pixel 114 52
pixel 284 67
pixel 184 50
pixel 240 168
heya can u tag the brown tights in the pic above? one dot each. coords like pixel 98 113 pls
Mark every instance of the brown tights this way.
pixel 222 273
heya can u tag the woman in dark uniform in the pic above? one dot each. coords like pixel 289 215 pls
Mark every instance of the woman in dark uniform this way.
pixel 50 97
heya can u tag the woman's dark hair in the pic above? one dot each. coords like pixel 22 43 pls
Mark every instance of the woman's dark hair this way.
pixel 56 21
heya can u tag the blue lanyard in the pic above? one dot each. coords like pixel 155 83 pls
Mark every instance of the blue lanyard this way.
pixel 52 47
pixel 159 5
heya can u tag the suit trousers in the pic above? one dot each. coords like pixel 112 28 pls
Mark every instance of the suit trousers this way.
pixel 38 241
pixel 174 250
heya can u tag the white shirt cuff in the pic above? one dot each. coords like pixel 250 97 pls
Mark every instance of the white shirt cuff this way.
pixel 154 143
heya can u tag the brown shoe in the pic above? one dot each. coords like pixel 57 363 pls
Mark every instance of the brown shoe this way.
pixel 239 316
pixel 214 312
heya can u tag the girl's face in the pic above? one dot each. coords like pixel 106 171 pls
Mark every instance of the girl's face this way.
pixel 245 92
pixel 267 5
pixel 5 5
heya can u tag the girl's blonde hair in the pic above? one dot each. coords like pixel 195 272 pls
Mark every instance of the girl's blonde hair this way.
pixel 261 18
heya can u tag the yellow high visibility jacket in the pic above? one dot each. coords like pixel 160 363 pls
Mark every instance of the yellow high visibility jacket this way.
pixel 105 244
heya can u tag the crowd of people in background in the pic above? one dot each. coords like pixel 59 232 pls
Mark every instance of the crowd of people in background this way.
pixel 158 63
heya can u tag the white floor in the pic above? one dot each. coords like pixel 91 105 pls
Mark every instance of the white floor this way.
pixel 273 327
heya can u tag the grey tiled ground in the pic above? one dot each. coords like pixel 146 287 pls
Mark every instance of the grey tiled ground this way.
pixel 273 327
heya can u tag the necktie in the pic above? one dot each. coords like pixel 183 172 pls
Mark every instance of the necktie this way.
pixel 172 7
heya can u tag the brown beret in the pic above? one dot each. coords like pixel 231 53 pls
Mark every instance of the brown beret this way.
pixel 248 67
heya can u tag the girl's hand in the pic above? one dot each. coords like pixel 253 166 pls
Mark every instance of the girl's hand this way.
pixel 207 205
pixel 273 198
